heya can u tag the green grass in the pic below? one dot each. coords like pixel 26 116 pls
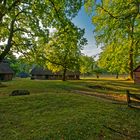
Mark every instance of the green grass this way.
pixel 53 112
pixel 110 86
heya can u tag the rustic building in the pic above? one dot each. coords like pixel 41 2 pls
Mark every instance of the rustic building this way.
pixel 137 75
pixel 41 73
pixel 6 73
pixel 72 75
pixel 45 74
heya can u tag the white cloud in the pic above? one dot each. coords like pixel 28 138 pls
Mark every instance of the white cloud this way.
pixel 91 50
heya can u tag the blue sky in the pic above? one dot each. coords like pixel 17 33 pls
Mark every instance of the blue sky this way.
pixel 82 20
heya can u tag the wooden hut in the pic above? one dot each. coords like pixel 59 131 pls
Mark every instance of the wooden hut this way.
pixel 70 75
pixel 45 74
pixel 6 73
pixel 41 73
pixel 137 75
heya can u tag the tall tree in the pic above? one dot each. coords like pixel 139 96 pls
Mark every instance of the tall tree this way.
pixel 24 22
pixel 114 59
pixel 86 64
pixel 118 20
pixel 64 49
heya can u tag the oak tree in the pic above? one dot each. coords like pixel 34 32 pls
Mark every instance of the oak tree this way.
pixel 24 23
pixel 118 22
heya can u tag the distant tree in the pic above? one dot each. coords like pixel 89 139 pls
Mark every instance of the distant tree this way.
pixel 97 70
pixel 19 64
pixel 64 49
pixel 114 59
pixel 86 64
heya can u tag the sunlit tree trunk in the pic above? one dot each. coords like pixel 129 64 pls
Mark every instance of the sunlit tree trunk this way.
pixel 131 51
pixel 131 61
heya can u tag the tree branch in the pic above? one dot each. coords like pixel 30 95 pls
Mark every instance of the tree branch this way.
pixel 111 15
pixel 8 9
pixel 117 17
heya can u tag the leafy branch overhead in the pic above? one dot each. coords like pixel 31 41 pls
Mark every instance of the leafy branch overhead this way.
pixel 24 23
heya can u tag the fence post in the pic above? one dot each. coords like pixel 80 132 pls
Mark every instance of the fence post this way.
pixel 128 98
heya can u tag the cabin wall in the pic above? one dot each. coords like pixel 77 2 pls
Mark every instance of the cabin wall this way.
pixel 136 77
pixel 6 77
pixel 39 77
pixel 72 77
pixel 46 77
pixel 55 77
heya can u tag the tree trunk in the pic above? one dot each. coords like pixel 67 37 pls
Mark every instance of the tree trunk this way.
pixel 9 42
pixel 131 63
pixel 97 75
pixel 131 50
pixel 117 75
pixel 64 74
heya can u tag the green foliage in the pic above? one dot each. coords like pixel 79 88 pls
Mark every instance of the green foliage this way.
pixel 19 64
pixel 25 23
pixel 64 48
pixel 86 64
pixel 114 59
pixel 113 20
pixel 89 4
pixel 117 24
pixel 98 71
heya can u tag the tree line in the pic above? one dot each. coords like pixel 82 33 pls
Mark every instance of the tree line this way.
pixel 25 29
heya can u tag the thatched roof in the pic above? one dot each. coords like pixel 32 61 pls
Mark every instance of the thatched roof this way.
pixel 72 73
pixel 5 68
pixel 41 71
pixel 68 73
pixel 137 69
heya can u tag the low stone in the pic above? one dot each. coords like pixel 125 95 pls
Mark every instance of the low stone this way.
pixel 19 92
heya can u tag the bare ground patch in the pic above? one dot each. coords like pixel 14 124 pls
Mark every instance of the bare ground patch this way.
pixel 120 99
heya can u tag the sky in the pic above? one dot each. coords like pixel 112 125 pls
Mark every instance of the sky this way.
pixel 83 20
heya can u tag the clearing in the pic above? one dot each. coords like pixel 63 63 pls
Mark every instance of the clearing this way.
pixel 62 110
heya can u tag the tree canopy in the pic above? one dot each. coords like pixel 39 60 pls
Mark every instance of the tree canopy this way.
pixel 63 50
pixel 86 64
pixel 117 23
pixel 114 59
pixel 24 23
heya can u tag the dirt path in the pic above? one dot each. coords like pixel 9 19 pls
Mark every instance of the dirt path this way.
pixel 116 99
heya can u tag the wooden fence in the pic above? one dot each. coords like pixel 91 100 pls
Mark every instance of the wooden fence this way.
pixel 133 100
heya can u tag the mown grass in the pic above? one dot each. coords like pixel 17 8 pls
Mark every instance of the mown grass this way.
pixel 108 86
pixel 53 112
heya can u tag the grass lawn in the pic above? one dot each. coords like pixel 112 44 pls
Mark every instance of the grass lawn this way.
pixel 53 111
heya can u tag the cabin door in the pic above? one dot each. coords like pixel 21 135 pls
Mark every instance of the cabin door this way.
pixel 46 77
pixel 1 77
